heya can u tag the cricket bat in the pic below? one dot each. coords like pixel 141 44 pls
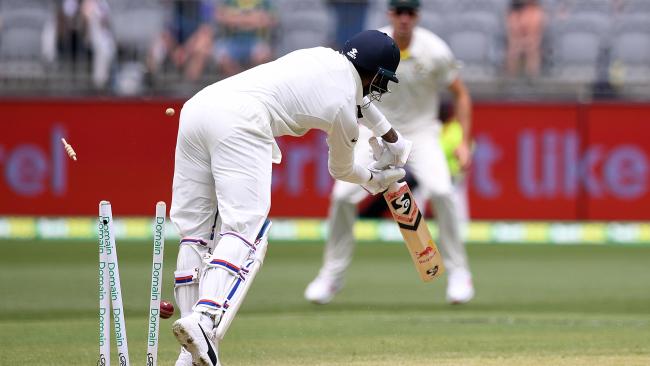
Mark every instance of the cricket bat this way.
pixel 418 240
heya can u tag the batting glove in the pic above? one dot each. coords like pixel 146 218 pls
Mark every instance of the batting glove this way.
pixel 380 180
pixel 387 154
pixel 400 148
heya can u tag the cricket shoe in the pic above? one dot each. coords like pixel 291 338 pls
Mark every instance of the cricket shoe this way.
pixel 460 289
pixel 196 336
pixel 321 290
pixel 184 358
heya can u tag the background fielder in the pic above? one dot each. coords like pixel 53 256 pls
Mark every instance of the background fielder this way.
pixel 427 65
pixel 224 154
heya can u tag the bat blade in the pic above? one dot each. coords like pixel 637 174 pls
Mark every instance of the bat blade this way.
pixel 417 238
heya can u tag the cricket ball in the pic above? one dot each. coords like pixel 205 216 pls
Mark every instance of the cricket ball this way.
pixel 166 309
pixel 170 111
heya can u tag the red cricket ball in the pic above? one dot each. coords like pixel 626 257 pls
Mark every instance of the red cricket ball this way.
pixel 166 309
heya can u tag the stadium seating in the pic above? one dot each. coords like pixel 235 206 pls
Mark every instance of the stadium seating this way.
pixel 376 14
pixel 578 43
pixel 498 7
pixel 474 39
pixel 147 14
pixel 603 7
pixel 434 22
pixel 630 49
pixel 585 42
pixel 635 7
pixel 26 38
pixel 302 24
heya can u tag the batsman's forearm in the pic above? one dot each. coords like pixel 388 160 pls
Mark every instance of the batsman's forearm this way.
pixel 375 120
pixel 356 173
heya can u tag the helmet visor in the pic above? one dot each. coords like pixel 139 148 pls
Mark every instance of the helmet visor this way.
pixel 379 84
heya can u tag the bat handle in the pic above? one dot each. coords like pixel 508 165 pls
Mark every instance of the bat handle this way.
pixel 395 186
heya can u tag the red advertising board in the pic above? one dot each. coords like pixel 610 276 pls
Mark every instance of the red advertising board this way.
pixel 544 161
pixel 301 183
pixel 618 168
pixel 524 162
pixel 125 155
pixel 532 161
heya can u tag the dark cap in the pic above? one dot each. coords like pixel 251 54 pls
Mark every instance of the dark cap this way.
pixel 373 51
pixel 410 4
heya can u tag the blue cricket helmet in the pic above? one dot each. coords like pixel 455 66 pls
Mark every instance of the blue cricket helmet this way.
pixel 374 52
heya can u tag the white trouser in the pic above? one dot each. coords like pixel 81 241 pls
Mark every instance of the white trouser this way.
pixel 427 163
pixel 462 204
pixel 224 155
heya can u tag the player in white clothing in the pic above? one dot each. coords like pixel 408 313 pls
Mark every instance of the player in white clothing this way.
pixel 427 65
pixel 224 154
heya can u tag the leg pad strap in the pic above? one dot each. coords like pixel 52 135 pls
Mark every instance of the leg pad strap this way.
pixel 186 277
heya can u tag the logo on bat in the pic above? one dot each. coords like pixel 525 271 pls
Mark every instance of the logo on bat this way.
pixel 402 204
pixel 432 271
pixel 424 253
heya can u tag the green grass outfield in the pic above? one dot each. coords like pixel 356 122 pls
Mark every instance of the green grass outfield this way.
pixel 535 305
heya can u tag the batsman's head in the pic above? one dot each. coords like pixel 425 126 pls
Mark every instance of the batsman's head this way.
pixel 376 57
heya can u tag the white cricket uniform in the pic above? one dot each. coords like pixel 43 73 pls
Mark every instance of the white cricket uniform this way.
pixel 226 146
pixel 224 154
pixel 412 107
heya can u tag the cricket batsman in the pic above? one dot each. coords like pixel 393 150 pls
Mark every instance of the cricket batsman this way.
pixel 224 155
pixel 427 66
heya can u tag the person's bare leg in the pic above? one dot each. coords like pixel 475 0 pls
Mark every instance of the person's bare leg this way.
pixel 261 54
pixel 160 48
pixel 228 66
pixel 200 49
pixel 513 52
pixel 534 21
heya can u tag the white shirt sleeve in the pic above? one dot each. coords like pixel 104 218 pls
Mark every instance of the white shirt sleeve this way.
pixel 374 119
pixel 446 68
pixel 341 140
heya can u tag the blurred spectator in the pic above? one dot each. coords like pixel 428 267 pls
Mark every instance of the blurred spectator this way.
pixel 96 14
pixel 70 31
pixel 526 20
pixel 84 27
pixel 245 28
pixel 187 39
pixel 350 18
